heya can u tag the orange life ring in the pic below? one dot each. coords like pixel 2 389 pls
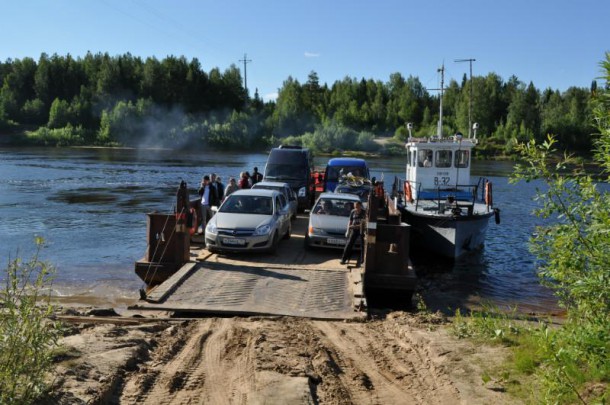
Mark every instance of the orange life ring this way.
pixel 488 194
pixel 408 192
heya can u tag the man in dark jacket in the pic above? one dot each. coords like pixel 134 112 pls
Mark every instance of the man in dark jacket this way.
pixel 208 197
pixel 355 231
pixel 220 190
pixel 256 176
pixel 218 196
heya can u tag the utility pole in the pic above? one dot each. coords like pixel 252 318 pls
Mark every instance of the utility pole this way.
pixel 246 61
pixel 470 98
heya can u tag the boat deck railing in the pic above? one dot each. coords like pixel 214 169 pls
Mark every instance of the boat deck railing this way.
pixel 445 139
pixel 456 197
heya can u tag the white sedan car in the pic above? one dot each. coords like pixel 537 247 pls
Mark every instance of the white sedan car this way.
pixel 328 220
pixel 283 188
pixel 249 220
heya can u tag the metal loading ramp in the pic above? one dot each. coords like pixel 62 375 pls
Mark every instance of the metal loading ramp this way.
pixel 236 288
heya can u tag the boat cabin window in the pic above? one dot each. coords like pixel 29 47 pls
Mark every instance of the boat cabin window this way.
pixel 424 158
pixel 443 158
pixel 461 158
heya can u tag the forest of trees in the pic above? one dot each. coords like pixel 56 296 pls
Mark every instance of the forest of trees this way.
pixel 126 100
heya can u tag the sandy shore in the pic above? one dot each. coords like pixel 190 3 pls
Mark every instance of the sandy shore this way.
pixel 121 356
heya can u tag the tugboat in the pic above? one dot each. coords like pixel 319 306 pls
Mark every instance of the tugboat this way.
pixel 449 215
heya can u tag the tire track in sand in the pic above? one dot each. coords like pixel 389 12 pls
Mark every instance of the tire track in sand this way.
pixel 380 369
pixel 209 368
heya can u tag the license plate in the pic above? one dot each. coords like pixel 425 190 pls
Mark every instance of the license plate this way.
pixel 335 241
pixel 233 241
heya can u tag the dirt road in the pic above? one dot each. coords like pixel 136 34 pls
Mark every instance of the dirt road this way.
pixel 397 359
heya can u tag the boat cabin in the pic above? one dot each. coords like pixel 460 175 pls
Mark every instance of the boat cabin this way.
pixel 439 167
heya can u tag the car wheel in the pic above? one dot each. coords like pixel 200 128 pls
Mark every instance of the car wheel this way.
pixel 288 231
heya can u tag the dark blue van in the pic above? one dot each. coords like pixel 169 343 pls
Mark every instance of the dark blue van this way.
pixel 292 165
pixel 344 166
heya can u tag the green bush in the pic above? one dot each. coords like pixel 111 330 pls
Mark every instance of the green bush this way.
pixel 332 138
pixel 27 335
pixel 66 136
pixel 573 261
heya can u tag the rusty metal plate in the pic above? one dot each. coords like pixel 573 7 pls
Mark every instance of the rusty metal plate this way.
pixel 226 288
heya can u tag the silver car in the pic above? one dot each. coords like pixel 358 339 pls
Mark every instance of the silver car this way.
pixel 285 189
pixel 328 220
pixel 249 220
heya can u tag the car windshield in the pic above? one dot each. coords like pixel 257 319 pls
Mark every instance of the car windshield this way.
pixel 334 171
pixel 247 204
pixel 265 187
pixel 333 206
pixel 284 172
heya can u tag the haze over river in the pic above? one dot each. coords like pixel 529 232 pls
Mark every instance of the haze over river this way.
pixel 89 205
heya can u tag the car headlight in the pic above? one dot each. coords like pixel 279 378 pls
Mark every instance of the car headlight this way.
pixel 211 228
pixel 302 192
pixel 263 230
pixel 316 231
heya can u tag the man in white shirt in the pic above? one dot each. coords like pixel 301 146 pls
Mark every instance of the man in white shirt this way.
pixel 208 196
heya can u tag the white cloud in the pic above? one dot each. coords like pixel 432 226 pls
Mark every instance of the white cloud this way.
pixel 270 97
pixel 312 55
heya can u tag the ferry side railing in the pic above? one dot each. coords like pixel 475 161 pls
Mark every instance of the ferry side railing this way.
pixel 483 184
pixel 444 194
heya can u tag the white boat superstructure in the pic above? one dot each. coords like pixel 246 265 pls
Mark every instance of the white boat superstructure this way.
pixel 449 213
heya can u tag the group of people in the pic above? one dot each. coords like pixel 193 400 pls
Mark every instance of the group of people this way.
pixel 247 181
pixel 213 192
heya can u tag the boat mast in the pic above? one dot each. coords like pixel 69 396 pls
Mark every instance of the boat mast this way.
pixel 439 130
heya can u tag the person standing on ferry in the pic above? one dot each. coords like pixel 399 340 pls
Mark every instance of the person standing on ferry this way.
pixel 355 230
pixel 231 187
pixel 214 185
pixel 220 190
pixel 208 196
pixel 256 176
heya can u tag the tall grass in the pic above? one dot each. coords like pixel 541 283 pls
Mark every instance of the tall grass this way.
pixel 27 334
pixel 488 323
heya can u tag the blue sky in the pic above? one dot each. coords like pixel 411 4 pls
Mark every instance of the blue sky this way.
pixel 554 44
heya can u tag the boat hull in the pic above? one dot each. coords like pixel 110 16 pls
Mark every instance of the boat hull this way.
pixel 449 236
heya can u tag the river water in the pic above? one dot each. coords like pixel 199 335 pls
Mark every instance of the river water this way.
pixel 89 205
